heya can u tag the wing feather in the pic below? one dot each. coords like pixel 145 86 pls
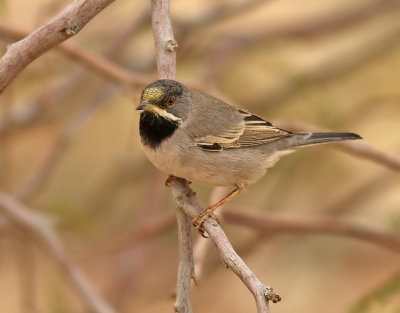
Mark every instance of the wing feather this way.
pixel 239 129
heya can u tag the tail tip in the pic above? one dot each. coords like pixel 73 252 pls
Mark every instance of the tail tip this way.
pixel 353 136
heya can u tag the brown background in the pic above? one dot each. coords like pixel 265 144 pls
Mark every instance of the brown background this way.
pixel 332 64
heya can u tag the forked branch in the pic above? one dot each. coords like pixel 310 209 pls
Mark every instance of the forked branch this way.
pixel 186 201
pixel 65 25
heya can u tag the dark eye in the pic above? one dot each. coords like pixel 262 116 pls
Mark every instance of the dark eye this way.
pixel 170 101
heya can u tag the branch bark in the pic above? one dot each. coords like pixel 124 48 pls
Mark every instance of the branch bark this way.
pixel 186 265
pixel 165 42
pixel 185 199
pixel 65 25
pixel 166 67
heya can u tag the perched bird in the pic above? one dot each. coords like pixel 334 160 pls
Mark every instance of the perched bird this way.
pixel 200 138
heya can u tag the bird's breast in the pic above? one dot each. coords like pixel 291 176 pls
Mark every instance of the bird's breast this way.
pixel 154 128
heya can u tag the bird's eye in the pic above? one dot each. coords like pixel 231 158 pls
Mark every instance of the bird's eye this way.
pixel 170 101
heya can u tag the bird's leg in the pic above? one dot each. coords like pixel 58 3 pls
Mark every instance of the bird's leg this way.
pixel 209 212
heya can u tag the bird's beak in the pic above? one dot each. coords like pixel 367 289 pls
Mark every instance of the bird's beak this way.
pixel 143 105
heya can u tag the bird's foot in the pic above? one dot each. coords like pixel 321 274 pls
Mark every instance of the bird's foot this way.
pixel 199 220
pixel 169 179
pixel 271 295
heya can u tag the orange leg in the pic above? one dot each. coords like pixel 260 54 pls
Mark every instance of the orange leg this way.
pixel 209 212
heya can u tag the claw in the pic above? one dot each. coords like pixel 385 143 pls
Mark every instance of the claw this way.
pixel 199 220
pixel 271 295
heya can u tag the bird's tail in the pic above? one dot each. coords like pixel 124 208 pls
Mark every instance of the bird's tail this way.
pixel 308 139
pixel 316 138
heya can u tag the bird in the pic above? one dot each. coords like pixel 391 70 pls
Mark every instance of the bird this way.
pixel 195 136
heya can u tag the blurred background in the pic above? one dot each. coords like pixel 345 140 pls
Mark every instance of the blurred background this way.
pixel 70 151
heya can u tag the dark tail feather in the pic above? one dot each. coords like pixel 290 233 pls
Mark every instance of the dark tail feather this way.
pixel 316 138
pixel 298 140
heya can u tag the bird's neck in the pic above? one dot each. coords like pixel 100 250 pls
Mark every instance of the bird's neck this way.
pixel 155 128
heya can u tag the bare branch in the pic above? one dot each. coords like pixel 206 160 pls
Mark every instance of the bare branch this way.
pixel 185 199
pixel 65 25
pixel 328 225
pixel 186 265
pixel 165 42
pixel 201 246
pixel 92 60
pixel 166 67
pixel 42 230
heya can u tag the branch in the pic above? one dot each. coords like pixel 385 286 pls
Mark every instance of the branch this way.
pixel 166 47
pixel 185 199
pixel 41 229
pixel 328 225
pixel 91 60
pixel 65 25
pixel 186 265
pixel 165 42
pixel 200 251
pixel 38 107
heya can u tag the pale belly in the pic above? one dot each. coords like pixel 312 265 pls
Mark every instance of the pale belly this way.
pixel 223 168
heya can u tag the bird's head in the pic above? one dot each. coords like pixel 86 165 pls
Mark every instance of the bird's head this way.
pixel 166 98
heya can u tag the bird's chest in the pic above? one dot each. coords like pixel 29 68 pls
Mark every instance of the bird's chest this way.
pixel 158 138
pixel 154 129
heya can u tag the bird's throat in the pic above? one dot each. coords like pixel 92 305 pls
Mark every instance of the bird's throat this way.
pixel 155 128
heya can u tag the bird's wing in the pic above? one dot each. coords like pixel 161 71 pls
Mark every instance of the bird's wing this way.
pixel 225 127
pixel 258 131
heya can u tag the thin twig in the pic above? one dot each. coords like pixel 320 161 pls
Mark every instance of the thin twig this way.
pixel 201 246
pixel 65 25
pixel 185 199
pixel 41 228
pixel 330 225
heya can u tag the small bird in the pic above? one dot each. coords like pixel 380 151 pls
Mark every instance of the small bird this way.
pixel 198 137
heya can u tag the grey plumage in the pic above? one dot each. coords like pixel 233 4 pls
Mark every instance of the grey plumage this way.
pixel 206 140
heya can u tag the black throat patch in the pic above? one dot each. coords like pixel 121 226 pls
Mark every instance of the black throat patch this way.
pixel 154 128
